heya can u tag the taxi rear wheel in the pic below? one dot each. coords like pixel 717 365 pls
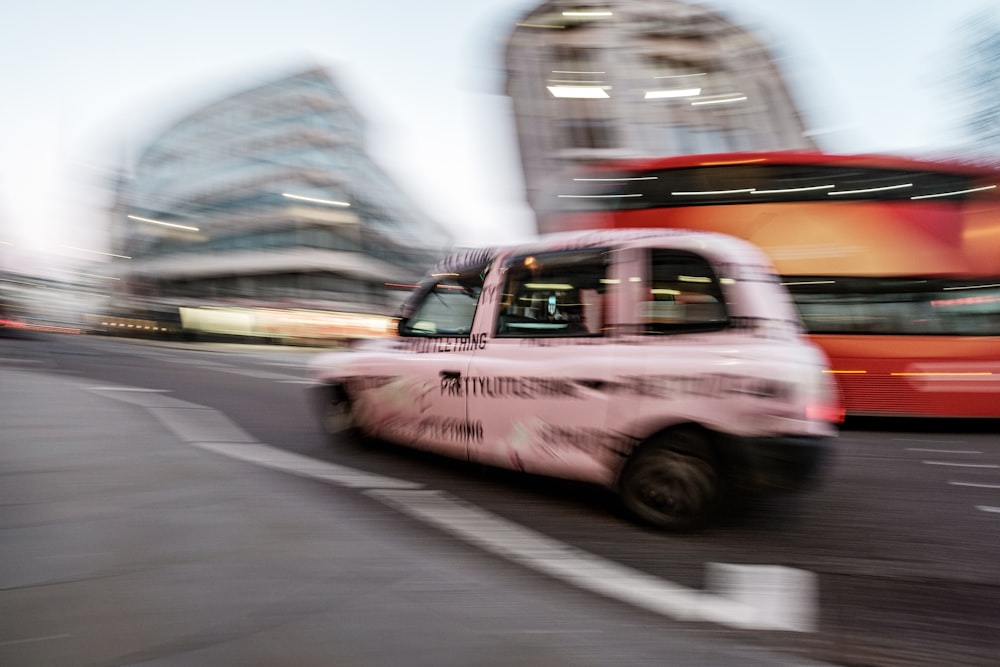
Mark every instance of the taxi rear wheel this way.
pixel 672 481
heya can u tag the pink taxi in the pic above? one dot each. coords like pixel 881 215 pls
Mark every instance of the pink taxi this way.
pixel 667 365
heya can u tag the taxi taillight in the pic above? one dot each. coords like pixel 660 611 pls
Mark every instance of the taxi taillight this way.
pixel 826 404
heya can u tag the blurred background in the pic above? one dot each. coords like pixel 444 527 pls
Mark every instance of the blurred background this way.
pixel 310 158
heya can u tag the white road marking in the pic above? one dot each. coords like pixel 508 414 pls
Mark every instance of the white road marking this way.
pixel 89 554
pixel 210 364
pixel 744 596
pixel 974 484
pixel 305 466
pixel 962 465
pixel 201 425
pixel 936 442
pixel 944 451
pixel 262 375
pixel 135 389
pixel 573 631
pixel 987 508
pixel 33 639
pixel 286 364
pixel 207 363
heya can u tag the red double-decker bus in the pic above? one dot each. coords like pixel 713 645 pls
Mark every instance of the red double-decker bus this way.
pixel 894 263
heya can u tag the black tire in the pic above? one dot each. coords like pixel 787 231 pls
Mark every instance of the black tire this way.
pixel 672 481
pixel 336 415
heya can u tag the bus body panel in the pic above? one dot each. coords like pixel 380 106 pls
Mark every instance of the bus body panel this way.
pixel 911 316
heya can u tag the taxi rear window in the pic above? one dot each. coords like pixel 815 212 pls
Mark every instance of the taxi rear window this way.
pixel 684 295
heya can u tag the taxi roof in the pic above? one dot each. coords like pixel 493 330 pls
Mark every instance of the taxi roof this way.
pixel 713 243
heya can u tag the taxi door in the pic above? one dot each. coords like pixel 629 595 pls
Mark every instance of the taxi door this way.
pixel 436 344
pixel 542 388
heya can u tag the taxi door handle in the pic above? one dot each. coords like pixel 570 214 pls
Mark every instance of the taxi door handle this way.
pixel 451 375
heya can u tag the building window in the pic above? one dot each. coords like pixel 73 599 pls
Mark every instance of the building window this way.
pixel 586 133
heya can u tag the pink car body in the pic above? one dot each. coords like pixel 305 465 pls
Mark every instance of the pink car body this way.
pixel 668 365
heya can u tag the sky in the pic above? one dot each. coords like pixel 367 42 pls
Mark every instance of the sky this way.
pixel 85 82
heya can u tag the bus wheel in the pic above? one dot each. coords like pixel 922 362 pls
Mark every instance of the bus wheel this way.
pixel 671 481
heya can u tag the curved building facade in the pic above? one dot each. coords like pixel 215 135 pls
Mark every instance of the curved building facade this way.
pixel 267 197
pixel 639 78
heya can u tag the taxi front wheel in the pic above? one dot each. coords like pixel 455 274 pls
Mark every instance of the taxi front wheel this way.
pixel 671 481
pixel 336 415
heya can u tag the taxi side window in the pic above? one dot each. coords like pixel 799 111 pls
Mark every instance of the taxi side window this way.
pixel 684 295
pixel 554 295
pixel 445 307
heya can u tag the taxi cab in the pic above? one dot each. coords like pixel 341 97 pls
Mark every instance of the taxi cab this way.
pixel 667 365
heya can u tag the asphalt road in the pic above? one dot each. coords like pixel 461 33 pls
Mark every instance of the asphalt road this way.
pixel 902 536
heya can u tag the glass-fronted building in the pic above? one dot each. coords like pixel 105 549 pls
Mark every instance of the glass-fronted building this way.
pixel 608 79
pixel 267 197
